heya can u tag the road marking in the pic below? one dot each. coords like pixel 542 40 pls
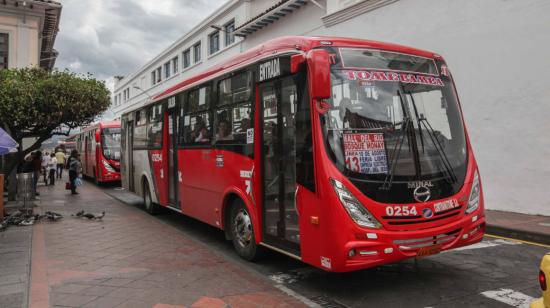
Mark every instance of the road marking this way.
pixel 510 297
pixel 281 278
pixel 486 244
pixel 292 276
pixel 297 296
pixel 517 241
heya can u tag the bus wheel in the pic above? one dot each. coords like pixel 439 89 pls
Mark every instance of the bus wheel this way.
pixel 242 233
pixel 150 206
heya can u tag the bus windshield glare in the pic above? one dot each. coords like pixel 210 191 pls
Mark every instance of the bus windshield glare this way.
pixel 110 139
pixel 393 117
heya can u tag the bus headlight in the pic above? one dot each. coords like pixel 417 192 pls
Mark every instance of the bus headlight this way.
pixel 473 201
pixel 355 209
pixel 107 166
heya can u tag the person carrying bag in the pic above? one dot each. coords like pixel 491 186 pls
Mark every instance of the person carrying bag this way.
pixel 75 170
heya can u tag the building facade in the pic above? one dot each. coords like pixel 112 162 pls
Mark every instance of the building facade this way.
pixel 27 33
pixel 495 49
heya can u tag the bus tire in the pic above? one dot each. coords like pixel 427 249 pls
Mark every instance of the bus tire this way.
pixel 242 233
pixel 150 206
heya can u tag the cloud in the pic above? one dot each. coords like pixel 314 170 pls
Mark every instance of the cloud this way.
pixel 116 37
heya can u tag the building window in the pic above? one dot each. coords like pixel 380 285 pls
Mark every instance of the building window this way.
pixel 229 36
pixel 153 78
pixel 186 58
pixel 159 74
pixel 175 65
pixel 197 52
pixel 214 42
pixel 4 50
pixel 126 94
pixel 119 98
pixel 166 70
pixel 116 100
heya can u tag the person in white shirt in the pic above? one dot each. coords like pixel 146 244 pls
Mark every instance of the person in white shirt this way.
pixel 52 166
pixel 45 160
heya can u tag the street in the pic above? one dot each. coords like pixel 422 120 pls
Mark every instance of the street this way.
pixel 493 273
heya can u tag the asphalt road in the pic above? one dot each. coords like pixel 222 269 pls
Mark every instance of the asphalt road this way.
pixel 493 273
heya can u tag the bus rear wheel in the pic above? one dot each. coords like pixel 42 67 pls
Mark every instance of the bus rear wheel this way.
pixel 242 233
pixel 150 206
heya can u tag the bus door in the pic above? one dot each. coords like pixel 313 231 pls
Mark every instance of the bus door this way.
pixel 172 113
pixel 278 101
pixel 129 165
pixel 87 149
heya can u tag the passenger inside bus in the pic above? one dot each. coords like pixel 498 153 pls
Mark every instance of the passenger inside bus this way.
pixel 224 131
pixel 202 134
pixel 245 125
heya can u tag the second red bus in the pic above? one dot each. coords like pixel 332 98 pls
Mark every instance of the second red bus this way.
pixel 99 148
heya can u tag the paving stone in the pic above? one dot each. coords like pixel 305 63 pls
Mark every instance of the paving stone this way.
pixel 97 290
pixel 70 288
pixel 73 300
pixel 117 282
pixel 105 302
pixel 13 300
pixel 13 288
pixel 13 279
pixel 129 259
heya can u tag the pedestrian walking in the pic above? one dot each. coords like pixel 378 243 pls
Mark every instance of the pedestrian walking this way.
pixel 75 169
pixel 37 164
pixel 45 171
pixel 60 157
pixel 52 165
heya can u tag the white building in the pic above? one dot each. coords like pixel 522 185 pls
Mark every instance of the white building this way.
pixel 497 51
pixel 27 33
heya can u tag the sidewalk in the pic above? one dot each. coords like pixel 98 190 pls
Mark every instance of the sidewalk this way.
pixel 534 228
pixel 130 259
pixel 15 261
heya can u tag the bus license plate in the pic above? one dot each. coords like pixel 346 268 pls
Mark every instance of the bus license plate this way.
pixel 428 251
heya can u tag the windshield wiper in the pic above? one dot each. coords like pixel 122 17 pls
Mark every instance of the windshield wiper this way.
pixel 451 177
pixel 439 148
pixel 388 181
pixel 417 120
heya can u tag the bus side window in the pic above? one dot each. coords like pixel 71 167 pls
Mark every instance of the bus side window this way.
pixel 196 121
pixel 154 126
pixel 233 116
pixel 140 130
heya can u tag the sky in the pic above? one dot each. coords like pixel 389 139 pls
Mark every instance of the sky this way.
pixel 116 37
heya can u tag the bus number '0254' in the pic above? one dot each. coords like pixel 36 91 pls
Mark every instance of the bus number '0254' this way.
pixel 404 210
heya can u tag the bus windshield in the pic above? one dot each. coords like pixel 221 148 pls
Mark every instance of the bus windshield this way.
pixel 393 117
pixel 110 139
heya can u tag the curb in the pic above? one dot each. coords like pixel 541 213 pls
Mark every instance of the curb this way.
pixel 523 235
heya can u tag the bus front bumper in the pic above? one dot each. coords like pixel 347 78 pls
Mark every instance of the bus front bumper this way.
pixel 373 248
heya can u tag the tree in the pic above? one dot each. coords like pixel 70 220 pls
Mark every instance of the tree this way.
pixel 40 104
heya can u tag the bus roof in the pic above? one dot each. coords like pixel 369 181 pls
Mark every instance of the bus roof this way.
pixel 287 43
pixel 104 124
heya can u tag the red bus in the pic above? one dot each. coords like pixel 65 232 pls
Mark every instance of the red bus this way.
pixel 99 148
pixel 343 153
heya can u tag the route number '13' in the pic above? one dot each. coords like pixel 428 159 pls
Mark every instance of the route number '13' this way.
pixel 404 210
pixel 352 163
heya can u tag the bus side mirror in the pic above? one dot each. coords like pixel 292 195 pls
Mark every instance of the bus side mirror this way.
pixel 318 61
